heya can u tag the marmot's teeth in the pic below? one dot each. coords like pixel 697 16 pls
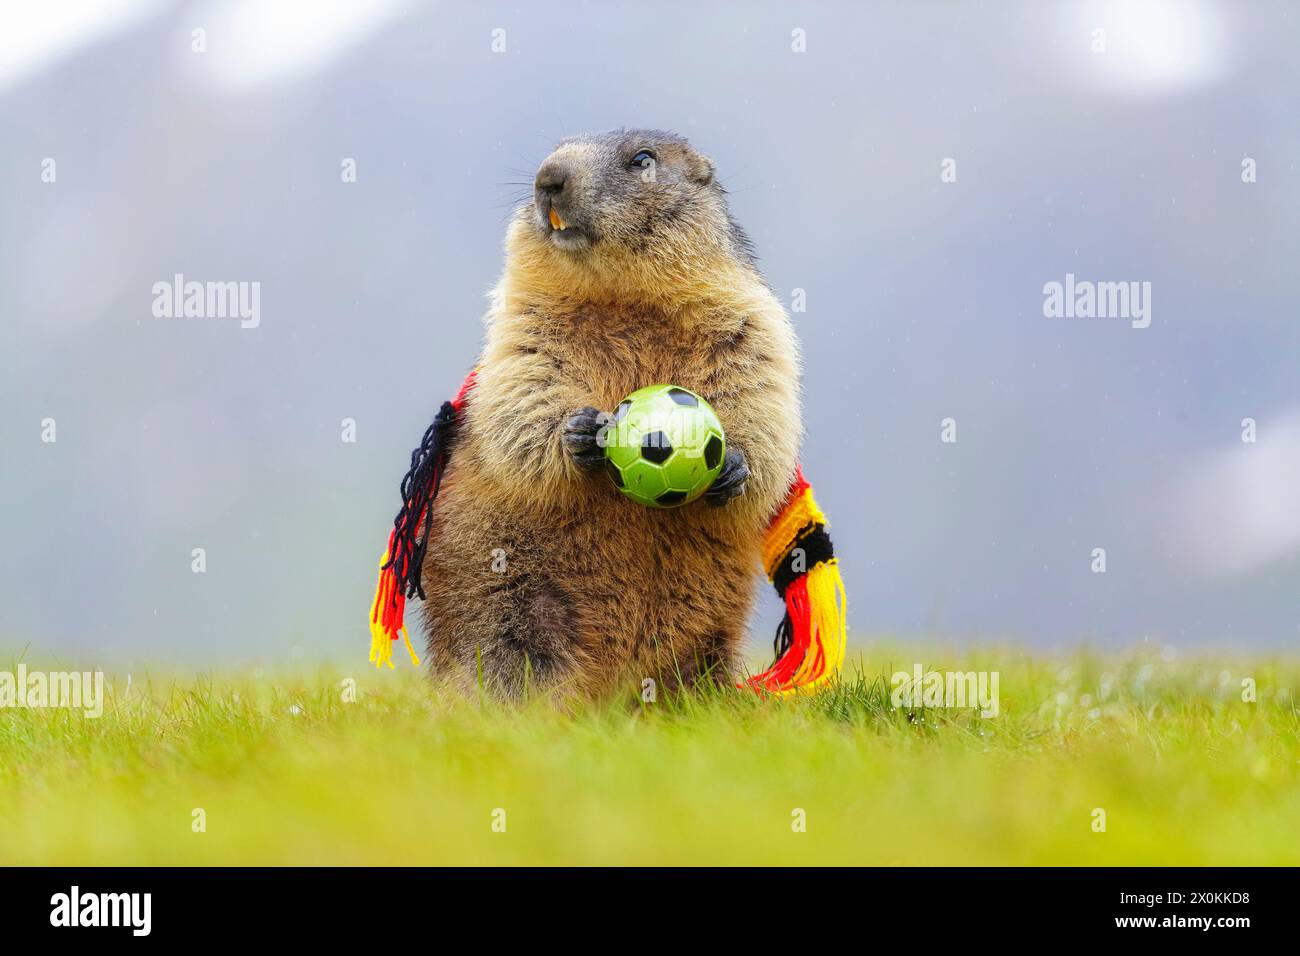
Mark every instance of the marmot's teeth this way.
pixel 556 221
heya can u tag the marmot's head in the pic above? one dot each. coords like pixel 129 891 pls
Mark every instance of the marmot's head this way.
pixel 623 210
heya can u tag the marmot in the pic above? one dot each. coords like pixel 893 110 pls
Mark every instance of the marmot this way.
pixel 625 269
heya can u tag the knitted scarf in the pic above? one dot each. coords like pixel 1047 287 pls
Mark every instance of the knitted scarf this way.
pixel 797 556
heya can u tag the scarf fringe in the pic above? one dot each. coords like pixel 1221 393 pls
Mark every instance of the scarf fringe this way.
pixel 800 562
pixel 386 613
pixel 403 560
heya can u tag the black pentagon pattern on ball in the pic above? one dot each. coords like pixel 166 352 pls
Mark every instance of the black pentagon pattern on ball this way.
pixel 671 498
pixel 614 473
pixel 712 452
pixel 655 447
pixel 683 397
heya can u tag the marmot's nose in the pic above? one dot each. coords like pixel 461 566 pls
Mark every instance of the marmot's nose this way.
pixel 552 177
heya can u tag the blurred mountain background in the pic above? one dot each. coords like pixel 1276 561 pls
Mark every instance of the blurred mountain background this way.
pixel 924 298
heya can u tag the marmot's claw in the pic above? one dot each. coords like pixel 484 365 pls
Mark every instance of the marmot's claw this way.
pixel 581 437
pixel 730 482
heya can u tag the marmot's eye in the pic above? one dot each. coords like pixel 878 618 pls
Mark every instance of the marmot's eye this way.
pixel 642 159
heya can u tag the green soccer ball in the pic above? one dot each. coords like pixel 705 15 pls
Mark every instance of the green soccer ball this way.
pixel 664 447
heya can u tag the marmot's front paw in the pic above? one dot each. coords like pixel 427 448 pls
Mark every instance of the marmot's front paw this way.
pixel 730 482
pixel 581 437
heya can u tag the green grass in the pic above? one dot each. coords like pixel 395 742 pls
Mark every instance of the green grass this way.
pixel 288 773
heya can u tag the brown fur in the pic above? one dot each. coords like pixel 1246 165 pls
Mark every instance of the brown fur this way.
pixel 597 591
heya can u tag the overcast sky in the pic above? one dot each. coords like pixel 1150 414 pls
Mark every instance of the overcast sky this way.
pixel 921 170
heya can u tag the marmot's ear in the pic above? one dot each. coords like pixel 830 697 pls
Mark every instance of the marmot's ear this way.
pixel 699 168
